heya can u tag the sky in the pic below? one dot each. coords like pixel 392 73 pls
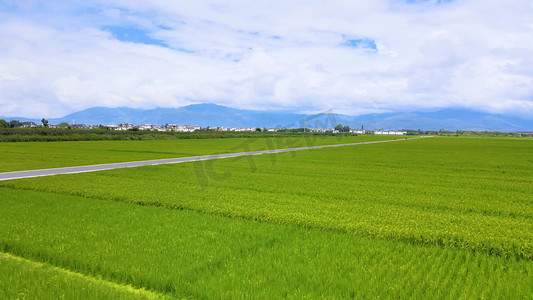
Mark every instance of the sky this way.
pixel 354 57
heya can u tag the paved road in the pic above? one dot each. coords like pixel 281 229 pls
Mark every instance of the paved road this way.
pixel 102 167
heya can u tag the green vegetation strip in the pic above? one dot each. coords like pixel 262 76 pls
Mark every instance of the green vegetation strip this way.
pixel 189 254
pixel 25 279
pixel 104 134
pixel 44 155
pixel 460 193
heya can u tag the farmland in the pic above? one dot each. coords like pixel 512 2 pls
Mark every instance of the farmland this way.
pixel 42 155
pixel 435 218
pixel 34 280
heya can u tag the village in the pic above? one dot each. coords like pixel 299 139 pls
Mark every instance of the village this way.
pixel 193 128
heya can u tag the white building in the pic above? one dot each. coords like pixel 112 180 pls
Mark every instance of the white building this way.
pixel 184 128
pixel 146 127
pixel 319 129
pixel 124 126
pixel 238 129
pixel 358 131
pixel 389 132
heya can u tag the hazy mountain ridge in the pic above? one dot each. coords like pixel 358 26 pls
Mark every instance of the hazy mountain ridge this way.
pixel 217 116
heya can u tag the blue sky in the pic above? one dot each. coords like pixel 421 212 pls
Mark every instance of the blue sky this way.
pixel 134 35
pixel 353 57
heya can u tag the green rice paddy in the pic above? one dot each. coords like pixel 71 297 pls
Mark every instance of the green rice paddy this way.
pixel 429 218
pixel 22 156
pixel 25 279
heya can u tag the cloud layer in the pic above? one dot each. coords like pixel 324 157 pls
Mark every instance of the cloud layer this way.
pixel 354 57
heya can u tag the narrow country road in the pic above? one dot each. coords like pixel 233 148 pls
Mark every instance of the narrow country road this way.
pixel 93 168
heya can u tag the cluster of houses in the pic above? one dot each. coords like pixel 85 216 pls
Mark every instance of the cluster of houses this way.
pixel 390 132
pixel 525 133
pixel 192 128
pixel 379 132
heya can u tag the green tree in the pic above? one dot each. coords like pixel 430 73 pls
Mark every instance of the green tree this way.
pixel 4 123
pixel 341 128
pixel 14 123
pixel 63 125
pixel 45 122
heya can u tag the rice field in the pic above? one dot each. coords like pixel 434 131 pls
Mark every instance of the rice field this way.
pixel 22 156
pixel 24 279
pixel 430 218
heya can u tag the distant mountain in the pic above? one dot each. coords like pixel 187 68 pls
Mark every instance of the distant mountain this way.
pixel 449 119
pixel 21 119
pixel 217 116
pixel 196 114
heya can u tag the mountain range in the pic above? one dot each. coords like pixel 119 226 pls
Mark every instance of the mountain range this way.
pixel 222 116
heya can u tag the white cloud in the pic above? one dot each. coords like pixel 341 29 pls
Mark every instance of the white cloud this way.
pixel 56 58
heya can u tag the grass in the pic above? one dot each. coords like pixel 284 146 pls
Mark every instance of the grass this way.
pixel 470 194
pixel 196 255
pixel 43 155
